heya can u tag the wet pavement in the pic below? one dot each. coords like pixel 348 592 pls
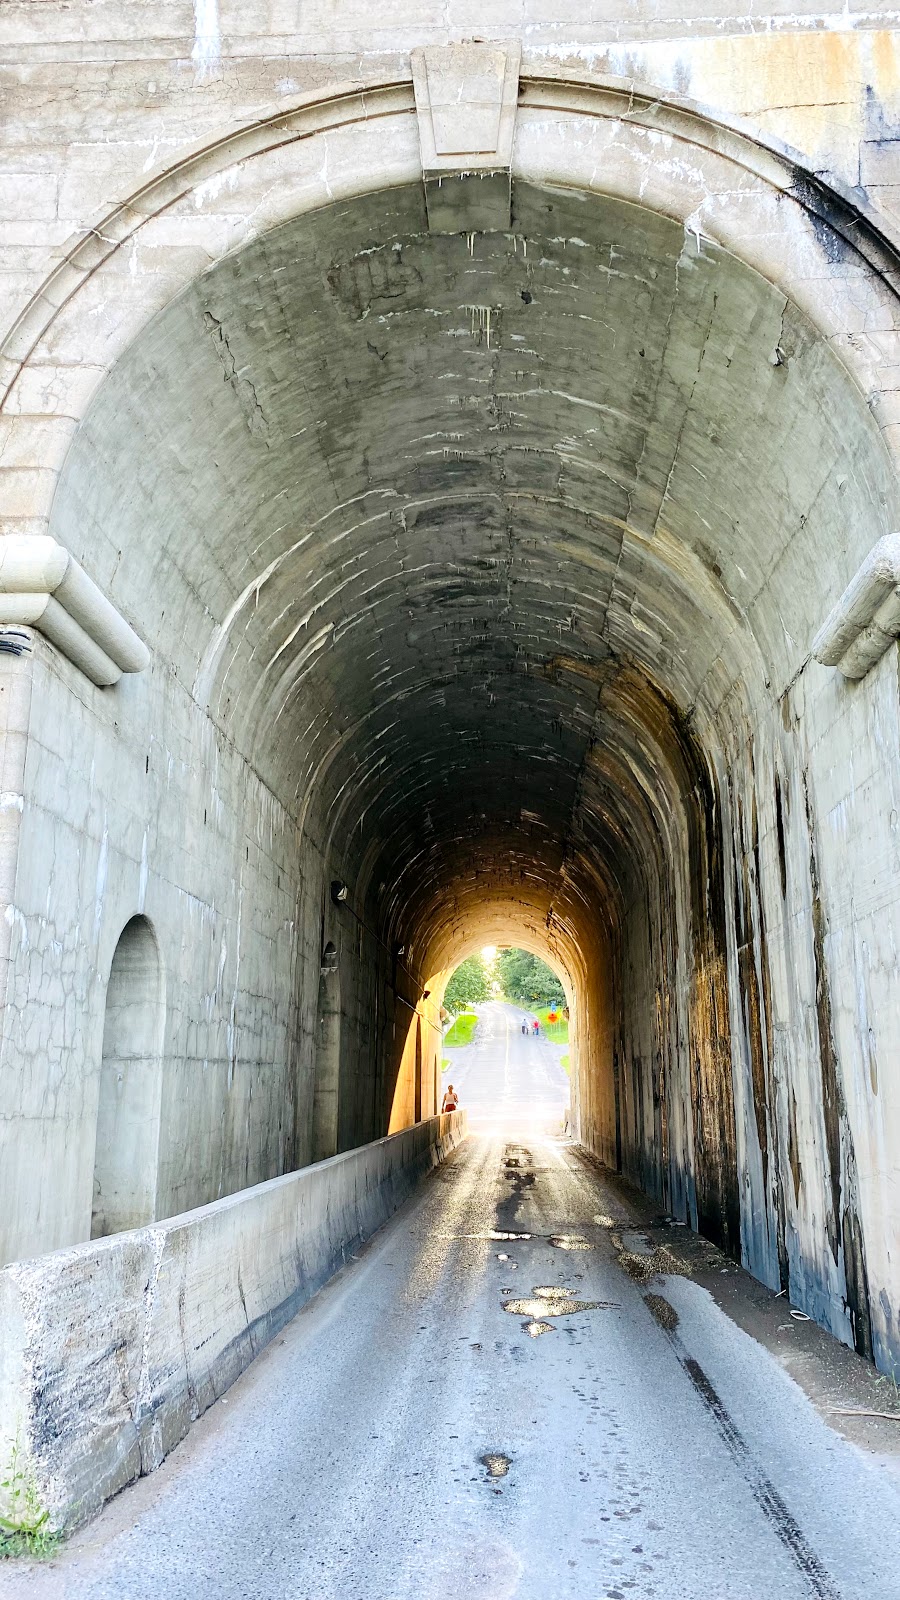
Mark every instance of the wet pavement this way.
pixel 410 1435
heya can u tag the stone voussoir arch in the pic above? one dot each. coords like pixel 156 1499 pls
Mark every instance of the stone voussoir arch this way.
pixel 823 248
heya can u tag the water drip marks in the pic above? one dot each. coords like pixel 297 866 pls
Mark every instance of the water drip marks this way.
pixel 207 37
pixel 480 323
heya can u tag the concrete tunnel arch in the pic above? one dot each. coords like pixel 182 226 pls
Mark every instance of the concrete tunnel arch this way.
pixel 646 794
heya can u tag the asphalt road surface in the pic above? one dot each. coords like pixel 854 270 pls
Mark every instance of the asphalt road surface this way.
pixel 483 1406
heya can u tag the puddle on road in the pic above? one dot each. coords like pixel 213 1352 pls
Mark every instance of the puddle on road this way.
pixel 497 1464
pixel 488 1233
pixel 552 1301
pixel 634 1243
pixel 535 1328
pixel 560 1241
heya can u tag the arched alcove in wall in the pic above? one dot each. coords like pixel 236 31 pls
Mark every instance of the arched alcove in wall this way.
pixel 126 1150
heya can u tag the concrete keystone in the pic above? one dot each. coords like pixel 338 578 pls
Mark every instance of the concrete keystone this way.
pixel 466 97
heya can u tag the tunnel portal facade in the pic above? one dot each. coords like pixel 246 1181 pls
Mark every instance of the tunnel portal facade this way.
pixel 496 510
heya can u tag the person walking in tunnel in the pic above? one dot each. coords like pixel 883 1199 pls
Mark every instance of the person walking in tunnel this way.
pixel 525 1025
pixel 450 1101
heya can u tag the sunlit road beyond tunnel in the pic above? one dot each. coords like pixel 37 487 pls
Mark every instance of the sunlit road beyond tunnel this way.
pixel 502 1397
pixel 509 1083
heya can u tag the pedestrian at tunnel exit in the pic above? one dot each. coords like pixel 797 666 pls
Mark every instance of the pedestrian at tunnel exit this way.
pixel 450 1102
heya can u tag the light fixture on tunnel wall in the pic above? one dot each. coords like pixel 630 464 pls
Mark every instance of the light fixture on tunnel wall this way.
pixel 329 959
pixel 338 891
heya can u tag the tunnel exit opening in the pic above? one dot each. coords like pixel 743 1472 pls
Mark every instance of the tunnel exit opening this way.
pixel 506 1046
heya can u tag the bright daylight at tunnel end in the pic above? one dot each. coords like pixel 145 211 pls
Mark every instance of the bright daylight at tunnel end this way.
pixel 450 708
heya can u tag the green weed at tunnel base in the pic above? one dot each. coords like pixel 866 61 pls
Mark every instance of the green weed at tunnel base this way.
pixel 558 1031
pixel 24 1524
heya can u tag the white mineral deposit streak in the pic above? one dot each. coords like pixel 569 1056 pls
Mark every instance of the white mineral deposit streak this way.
pixel 207 37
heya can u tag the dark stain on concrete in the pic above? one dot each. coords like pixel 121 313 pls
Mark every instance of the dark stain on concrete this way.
pixel 668 739
pixel 857 1281
pixel 374 281
pixel 793 1147
pixel 843 1229
pixel 834 222
pixel 833 1110
pixel 744 901
pixel 712 1085
pixel 779 834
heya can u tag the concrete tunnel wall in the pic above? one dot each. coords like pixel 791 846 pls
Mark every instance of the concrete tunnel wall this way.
pixel 480 574
pixel 448 676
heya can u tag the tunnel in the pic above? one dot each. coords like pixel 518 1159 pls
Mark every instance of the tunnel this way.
pixel 480 572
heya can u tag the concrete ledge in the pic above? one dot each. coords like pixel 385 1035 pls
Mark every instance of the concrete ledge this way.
pixel 42 586
pixel 866 620
pixel 110 1350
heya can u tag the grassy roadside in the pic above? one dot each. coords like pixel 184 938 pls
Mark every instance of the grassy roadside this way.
pixel 558 1031
pixel 463 1030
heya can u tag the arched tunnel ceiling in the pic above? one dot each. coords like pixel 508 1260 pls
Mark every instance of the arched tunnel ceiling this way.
pixel 450 531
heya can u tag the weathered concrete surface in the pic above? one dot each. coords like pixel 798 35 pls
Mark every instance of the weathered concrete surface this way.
pixel 111 1350
pixel 350 1460
pixel 480 575
pixel 497 621
pixel 154 81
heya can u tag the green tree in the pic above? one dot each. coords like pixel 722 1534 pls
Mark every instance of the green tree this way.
pixel 468 985
pixel 527 980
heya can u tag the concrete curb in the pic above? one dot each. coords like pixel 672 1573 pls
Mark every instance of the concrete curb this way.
pixel 110 1350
